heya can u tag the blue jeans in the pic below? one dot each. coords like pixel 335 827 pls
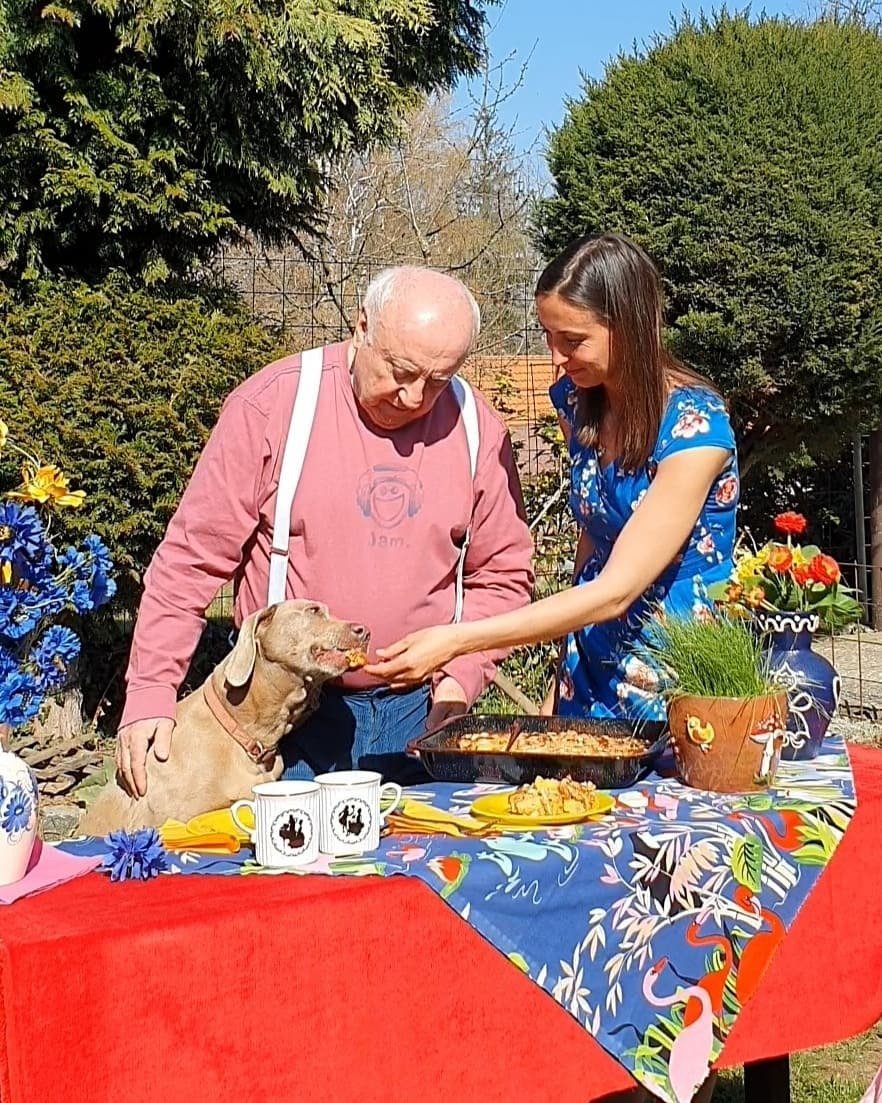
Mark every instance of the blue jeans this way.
pixel 367 731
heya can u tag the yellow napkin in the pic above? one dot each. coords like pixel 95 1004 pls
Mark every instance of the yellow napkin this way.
pixel 212 831
pixel 413 816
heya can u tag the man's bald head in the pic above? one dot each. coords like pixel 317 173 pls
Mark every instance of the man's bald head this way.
pixel 421 300
pixel 414 332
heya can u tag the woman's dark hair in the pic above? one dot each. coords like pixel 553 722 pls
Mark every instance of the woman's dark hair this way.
pixel 611 276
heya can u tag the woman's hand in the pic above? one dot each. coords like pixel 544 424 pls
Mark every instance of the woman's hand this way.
pixel 411 660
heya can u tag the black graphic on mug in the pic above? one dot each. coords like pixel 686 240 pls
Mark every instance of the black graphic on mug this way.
pixel 291 832
pixel 388 493
pixel 351 820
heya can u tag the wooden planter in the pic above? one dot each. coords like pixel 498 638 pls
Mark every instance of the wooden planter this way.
pixel 728 744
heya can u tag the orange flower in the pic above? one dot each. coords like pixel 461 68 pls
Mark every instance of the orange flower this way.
pixel 825 569
pixel 780 558
pixel 791 524
pixel 801 574
pixel 756 595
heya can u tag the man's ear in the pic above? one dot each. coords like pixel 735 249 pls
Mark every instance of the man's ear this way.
pixel 359 333
pixel 240 665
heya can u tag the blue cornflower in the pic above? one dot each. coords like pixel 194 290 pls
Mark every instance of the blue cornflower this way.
pixel 73 560
pixel 96 550
pixel 8 662
pixel 102 585
pixel 15 815
pixel 90 569
pixel 20 698
pixel 21 530
pixel 138 856
pixel 20 612
pixel 81 597
pixel 54 655
pixel 22 608
pixel 103 589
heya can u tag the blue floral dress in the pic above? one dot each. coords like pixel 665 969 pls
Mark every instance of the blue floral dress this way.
pixel 602 674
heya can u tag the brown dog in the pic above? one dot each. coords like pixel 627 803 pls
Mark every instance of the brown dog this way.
pixel 227 732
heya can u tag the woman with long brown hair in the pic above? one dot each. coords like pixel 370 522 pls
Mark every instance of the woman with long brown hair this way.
pixel 654 489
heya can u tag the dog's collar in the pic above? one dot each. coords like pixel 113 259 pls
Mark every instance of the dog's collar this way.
pixel 218 709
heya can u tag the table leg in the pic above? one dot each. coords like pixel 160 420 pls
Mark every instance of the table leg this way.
pixel 767 1081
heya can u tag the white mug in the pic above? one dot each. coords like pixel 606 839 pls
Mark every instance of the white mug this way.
pixel 350 815
pixel 286 822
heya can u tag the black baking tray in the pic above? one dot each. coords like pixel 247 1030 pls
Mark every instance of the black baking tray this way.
pixel 444 761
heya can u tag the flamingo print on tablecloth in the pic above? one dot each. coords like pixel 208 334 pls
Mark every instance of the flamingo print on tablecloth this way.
pixel 691 1050
pixel 714 981
pixel 873 1094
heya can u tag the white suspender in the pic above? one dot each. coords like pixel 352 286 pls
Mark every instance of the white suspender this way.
pixel 468 412
pixel 296 443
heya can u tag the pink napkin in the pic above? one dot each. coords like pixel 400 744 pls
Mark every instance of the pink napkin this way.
pixel 48 867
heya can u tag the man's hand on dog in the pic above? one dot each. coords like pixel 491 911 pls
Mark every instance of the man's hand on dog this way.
pixel 133 742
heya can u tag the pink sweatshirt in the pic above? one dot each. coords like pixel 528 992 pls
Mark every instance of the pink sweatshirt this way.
pixel 375 530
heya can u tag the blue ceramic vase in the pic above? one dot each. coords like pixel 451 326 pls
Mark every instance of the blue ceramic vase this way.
pixel 812 684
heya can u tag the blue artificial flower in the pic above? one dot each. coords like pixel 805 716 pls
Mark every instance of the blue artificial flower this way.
pixel 22 609
pixel 103 586
pixel 8 663
pixel 20 698
pixel 103 589
pixel 81 597
pixel 54 655
pixel 15 815
pixel 96 550
pixel 34 573
pixel 90 569
pixel 138 856
pixel 21 530
pixel 72 560
pixel 20 612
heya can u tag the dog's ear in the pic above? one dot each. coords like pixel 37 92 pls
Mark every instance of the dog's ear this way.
pixel 240 665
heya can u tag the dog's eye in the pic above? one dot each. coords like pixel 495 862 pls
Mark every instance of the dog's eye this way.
pixel 314 609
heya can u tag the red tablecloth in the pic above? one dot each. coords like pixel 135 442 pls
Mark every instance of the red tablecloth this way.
pixel 211 990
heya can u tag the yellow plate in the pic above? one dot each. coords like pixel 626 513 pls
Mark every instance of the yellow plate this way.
pixel 220 821
pixel 495 807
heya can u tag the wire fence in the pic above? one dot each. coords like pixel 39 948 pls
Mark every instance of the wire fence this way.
pixel 314 302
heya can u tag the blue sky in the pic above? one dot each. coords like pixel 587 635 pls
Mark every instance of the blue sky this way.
pixel 566 36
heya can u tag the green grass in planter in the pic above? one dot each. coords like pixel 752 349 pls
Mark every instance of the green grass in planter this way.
pixel 718 658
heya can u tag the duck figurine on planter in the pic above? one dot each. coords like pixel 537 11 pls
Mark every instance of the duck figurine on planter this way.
pixel 791 590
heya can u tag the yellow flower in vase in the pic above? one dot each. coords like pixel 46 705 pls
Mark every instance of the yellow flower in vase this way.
pixel 4 433
pixel 747 568
pixel 47 485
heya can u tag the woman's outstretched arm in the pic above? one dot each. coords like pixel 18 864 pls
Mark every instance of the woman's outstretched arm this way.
pixel 648 543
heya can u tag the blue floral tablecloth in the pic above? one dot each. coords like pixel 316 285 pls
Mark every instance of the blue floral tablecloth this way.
pixel 653 926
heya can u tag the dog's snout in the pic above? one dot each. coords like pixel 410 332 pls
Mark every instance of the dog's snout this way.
pixel 358 630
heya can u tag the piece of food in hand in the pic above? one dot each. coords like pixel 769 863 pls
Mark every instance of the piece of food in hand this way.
pixel 553 797
pixel 356 657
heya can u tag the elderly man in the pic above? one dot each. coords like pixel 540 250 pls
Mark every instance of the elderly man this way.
pixel 399 508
